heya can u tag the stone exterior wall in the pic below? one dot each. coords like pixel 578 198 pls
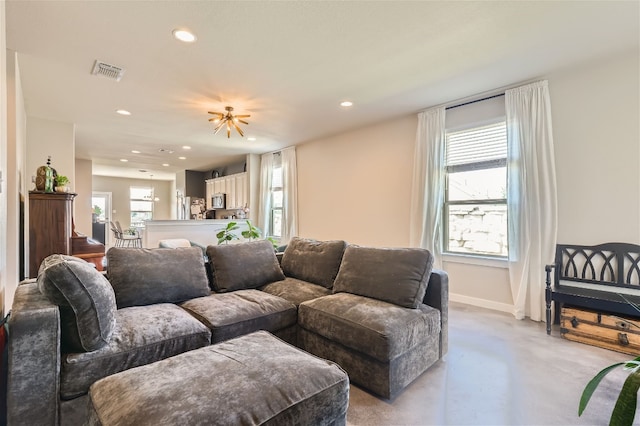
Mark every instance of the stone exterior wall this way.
pixel 480 229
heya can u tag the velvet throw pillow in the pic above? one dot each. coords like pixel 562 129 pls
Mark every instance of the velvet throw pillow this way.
pixel 314 261
pixel 86 300
pixel 162 275
pixel 243 265
pixel 394 275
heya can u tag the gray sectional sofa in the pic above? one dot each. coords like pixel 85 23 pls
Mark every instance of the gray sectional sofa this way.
pixel 381 314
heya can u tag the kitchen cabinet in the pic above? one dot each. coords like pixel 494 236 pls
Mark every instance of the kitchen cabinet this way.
pixel 235 186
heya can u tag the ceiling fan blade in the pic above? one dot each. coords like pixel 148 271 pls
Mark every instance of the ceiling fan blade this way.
pixel 242 121
pixel 216 113
pixel 238 129
pixel 242 116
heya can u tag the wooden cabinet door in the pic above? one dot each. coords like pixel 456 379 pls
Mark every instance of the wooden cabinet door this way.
pixel 50 227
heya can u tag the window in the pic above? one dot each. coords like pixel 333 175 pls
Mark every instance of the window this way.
pixel 475 210
pixel 277 196
pixel 141 205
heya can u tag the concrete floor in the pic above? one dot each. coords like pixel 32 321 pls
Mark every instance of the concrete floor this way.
pixel 499 371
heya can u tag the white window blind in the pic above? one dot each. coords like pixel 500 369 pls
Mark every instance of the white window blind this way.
pixel 479 145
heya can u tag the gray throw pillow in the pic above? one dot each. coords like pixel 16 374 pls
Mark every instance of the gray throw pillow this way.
pixel 394 275
pixel 86 300
pixel 148 276
pixel 314 261
pixel 244 265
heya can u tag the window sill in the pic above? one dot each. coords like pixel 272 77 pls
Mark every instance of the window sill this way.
pixel 490 262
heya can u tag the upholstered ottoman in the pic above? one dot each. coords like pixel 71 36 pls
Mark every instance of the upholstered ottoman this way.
pixel 249 380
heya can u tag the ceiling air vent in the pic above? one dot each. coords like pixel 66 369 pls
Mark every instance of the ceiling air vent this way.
pixel 107 70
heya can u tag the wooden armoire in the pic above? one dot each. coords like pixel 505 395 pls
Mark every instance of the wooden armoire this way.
pixel 50 226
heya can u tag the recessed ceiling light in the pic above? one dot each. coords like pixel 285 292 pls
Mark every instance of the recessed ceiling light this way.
pixel 124 160
pixel 184 35
pixel 182 158
pixel 165 164
pixel 346 103
pixel 123 112
pixel 133 151
pixel 251 138
pixel 186 147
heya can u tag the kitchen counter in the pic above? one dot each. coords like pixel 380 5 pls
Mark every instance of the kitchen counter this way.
pixel 202 232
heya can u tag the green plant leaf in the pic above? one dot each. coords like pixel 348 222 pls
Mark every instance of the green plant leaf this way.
pixel 625 409
pixel 592 385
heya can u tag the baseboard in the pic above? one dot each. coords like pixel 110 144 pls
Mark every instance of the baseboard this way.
pixel 481 303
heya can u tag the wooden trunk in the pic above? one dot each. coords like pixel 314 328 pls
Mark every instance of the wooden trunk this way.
pixel 602 329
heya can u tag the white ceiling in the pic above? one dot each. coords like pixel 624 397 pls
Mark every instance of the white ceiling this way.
pixel 288 64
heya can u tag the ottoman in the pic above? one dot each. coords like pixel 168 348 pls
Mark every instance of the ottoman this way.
pixel 250 380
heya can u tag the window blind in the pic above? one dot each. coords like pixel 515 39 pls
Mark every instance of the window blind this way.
pixel 480 144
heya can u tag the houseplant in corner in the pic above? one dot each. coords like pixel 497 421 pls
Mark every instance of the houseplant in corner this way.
pixel 625 409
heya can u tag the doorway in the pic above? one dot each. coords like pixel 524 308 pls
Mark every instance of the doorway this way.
pixel 101 217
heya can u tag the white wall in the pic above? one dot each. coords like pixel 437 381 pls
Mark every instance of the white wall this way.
pixel 119 188
pixel 15 190
pixel 356 186
pixel 51 138
pixel 597 145
pixel 3 161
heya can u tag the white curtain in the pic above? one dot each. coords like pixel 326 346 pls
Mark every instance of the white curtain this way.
pixel 532 199
pixel 427 191
pixel 264 204
pixel 290 195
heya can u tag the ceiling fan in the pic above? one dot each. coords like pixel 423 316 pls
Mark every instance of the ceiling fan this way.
pixel 229 119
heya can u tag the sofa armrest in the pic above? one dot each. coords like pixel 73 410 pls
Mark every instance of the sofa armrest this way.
pixel 33 383
pixel 437 296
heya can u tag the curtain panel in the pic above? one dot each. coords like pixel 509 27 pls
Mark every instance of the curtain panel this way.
pixel 427 189
pixel 532 196
pixel 264 203
pixel 290 194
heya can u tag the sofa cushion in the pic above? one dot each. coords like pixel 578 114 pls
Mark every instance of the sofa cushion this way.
pixel 379 329
pixel 244 265
pixel 143 334
pixel 295 291
pixel 86 300
pixel 241 312
pixel 315 261
pixel 147 276
pixel 394 275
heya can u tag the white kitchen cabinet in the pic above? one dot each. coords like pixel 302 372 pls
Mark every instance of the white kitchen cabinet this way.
pixel 235 186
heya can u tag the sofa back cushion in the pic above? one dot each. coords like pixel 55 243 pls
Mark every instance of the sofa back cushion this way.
pixel 147 276
pixel 86 300
pixel 394 275
pixel 243 266
pixel 314 261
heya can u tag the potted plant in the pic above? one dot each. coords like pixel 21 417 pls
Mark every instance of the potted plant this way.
pixel 227 233
pixel 253 233
pixel 97 211
pixel 61 183
pixel 625 409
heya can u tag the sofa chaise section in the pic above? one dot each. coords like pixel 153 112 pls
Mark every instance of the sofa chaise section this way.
pixel 376 324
